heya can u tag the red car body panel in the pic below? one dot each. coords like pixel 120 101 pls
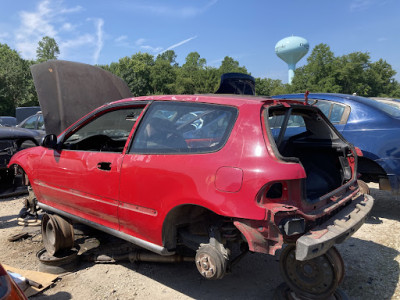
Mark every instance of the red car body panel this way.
pixel 77 184
pixel 139 191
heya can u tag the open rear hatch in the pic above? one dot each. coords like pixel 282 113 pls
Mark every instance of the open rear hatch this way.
pixel 301 134
pixel 330 208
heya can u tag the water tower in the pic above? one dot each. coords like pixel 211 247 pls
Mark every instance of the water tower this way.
pixel 291 49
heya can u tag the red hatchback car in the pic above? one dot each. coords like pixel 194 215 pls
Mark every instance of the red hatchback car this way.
pixel 216 174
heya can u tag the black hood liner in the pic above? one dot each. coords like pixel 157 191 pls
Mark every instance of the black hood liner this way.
pixel 236 83
pixel 68 90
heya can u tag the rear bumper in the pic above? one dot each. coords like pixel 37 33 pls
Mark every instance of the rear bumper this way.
pixel 335 230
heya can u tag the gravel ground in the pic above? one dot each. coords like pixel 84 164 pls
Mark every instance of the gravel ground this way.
pixel 371 257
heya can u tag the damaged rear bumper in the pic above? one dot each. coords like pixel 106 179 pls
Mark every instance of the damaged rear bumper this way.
pixel 335 230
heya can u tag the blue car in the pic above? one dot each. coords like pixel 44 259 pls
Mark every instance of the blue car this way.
pixel 372 126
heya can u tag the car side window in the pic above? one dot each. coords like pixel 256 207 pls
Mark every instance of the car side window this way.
pixel 30 123
pixel 324 107
pixel 295 125
pixel 335 112
pixel 177 127
pixel 107 133
pixel 40 123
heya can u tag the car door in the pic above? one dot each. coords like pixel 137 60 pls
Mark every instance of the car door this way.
pixel 82 177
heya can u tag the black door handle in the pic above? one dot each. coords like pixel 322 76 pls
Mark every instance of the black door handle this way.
pixel 106 166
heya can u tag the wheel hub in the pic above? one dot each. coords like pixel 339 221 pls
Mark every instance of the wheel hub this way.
pixel 210 262
pixel 205 266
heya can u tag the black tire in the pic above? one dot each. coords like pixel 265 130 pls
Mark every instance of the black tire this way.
pixel 210 262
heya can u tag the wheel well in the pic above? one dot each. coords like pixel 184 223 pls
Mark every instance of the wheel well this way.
pixel 370 171
pixel 197 218
pixel 19 171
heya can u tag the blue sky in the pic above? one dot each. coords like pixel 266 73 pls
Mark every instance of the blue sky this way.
pixel 101 32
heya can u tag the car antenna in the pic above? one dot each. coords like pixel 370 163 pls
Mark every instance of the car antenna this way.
pixel 306 96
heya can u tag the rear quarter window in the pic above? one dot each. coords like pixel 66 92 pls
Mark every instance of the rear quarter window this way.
pixel 337 113
pixel 177 127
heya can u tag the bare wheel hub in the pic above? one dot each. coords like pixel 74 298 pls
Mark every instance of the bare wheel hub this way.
pixel 205 266
pixel 210 262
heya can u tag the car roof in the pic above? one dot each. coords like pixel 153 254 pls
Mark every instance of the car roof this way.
pixel 347 99
pixel 223 99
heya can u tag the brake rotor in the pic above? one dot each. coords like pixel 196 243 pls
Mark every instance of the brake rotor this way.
pixel 210 262
pixel 57 233
pixel 315 278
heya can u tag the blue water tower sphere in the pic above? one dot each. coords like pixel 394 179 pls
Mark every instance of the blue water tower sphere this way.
pixel 291 49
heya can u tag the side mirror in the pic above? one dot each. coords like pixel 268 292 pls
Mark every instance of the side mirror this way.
pixel 50 141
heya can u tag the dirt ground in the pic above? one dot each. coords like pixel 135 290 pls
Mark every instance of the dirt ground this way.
pixel 371 257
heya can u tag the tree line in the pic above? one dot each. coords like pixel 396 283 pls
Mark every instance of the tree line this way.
pixel 146 74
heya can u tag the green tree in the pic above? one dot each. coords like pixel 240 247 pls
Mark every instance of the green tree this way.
pixel 319 72
pixel 47 49
pixel 352 73
pixel 136 72
pixel 348 74
pixel 190 78
pixel 163 73
pixel 169 56
pixel 269 87
pixel 229 65
pixel 16 84
pixel 381 80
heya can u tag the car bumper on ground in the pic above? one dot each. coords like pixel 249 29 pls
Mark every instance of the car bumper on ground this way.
pixel 335 230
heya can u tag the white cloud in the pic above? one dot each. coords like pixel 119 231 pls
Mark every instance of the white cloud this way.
pixel 75 43
pixel 99 39
pixel 361 5
pixel 168 11
pixel 121 38
pixel 68 27
pixel 216 61
pixel 180 43
pixel 151 48
pixel 50 18
pixel 140 42
pixel 4 35
pixel 143 44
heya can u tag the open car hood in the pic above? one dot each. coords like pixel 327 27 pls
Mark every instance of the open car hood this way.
pixel 68 90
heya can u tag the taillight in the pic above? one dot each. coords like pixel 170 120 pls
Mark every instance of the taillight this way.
pixel 358 151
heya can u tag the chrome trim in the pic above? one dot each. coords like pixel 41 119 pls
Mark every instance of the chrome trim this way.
pixel 76 193
pixel 134 240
